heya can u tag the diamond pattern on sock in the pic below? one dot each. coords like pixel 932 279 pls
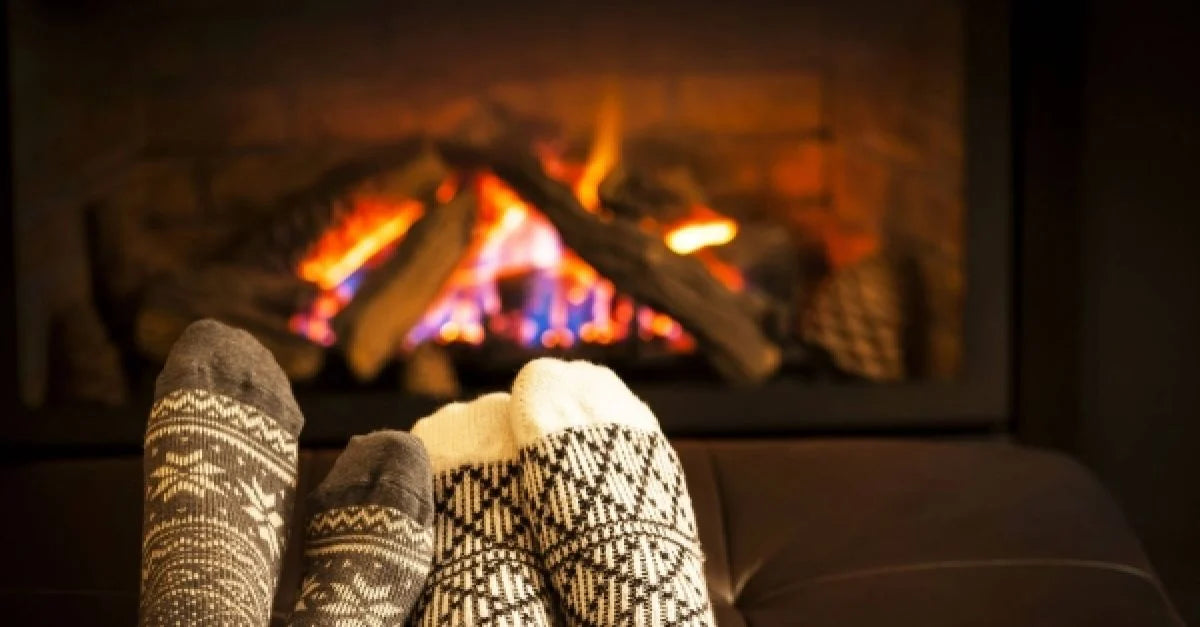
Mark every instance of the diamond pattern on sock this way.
pixel 611 513
pixel 485 568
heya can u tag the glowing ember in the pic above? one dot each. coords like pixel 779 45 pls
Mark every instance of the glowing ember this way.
pixel 314 323
pixel 693 236
pixel 446 191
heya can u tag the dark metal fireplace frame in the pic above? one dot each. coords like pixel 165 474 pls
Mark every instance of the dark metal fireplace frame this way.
pixel 976 401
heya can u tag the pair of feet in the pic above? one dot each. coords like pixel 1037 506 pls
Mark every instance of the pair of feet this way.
pixel 561 503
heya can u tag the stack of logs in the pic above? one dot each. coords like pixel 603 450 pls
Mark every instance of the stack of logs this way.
pixel 256 286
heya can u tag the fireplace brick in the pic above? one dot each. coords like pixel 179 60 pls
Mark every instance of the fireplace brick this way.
pixel 218 116
pixel 861 186
pixel 798 170
pixel 354 110
pixel 755 103
pixel 258 180
pixel 574 101
pixel 165 184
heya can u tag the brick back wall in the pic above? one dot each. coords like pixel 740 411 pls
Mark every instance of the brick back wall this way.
pixel 857 106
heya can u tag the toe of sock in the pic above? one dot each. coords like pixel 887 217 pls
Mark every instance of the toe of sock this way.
pixel 550 395
pixel 212 356
pixel 388 468
pixel 477 432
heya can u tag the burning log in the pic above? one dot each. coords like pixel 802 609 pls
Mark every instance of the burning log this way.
pixel 407 170
pixel 767 258
pixel 259 289
pixel 641 265
pixel 671 197
pixel 397 294
pixel 429 371
pixel 259 301
pixel 490 122
pixel 666 198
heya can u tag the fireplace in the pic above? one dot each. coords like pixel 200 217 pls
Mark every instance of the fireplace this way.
pixel 747 210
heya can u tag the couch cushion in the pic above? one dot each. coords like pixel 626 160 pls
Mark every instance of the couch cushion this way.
pixel 860 532
pixel 813 532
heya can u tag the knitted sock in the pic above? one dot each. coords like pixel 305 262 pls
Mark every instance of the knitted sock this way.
pixel 220 472
pixel 369 541
pixel 606 496
pixel 485 571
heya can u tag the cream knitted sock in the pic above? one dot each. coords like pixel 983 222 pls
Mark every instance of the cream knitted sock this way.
pixel 485 570
pixel 606 496
pixel 369 540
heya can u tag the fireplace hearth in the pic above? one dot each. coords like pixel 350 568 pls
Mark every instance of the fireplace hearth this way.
pixel 402 203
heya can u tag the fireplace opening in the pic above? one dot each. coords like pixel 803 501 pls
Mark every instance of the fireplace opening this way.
pixel 399 199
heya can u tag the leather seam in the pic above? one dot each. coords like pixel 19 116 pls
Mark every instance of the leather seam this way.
pixel 985 563
pixel 1114 567
pixel 723 520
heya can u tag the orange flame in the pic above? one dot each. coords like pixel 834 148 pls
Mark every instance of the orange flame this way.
pixel 727 274
pixel 692 236
pixel 369 228
pixel 606 149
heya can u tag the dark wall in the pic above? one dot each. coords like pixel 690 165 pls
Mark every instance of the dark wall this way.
pixel 1109 313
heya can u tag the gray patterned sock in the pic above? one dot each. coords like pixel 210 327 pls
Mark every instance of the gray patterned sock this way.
pixel 220 474
pixel 369 542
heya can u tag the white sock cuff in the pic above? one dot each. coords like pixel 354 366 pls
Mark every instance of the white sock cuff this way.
pixel 550 395
pixel 477 432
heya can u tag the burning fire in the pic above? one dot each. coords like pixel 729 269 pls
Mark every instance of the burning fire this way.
pixel 515 251
pixel 371 226
pixel 565 299
pixel 606 149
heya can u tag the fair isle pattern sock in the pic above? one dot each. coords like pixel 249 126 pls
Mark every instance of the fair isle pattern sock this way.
pixel 485 571
pixel 220 472
pixel 606 495
pixel 369 541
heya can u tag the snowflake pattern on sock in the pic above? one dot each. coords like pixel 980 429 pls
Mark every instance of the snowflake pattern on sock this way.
pixel 189 473
pixel 365 567
pixel 220 476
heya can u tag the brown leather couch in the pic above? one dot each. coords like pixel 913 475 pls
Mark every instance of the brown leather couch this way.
pixel 829 532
